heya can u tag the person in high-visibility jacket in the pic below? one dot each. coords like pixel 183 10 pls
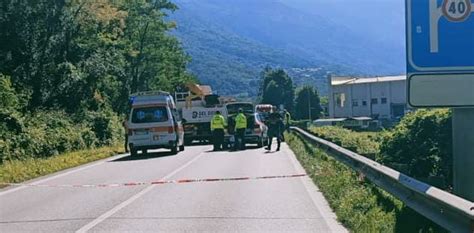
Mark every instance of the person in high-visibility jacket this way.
pixel 240 126
pixel 218 125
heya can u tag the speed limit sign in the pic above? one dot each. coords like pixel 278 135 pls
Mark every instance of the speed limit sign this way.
pixel 457 10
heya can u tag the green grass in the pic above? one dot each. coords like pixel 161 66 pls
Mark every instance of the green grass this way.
pixel 358 204
pixel 364 143
pixel 21 170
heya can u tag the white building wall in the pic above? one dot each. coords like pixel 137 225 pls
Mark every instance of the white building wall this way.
pixel 372 94
pixel 380 91
pixel 341 109
pixel 360 98
pixel 399 92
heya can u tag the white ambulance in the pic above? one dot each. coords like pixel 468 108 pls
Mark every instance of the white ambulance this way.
pixel 154 123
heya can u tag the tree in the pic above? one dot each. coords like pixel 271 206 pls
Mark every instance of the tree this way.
pixel 307 103
pixel 277 88
pixel 70 53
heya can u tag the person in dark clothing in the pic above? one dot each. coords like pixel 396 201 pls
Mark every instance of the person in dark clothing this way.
pixel 275 129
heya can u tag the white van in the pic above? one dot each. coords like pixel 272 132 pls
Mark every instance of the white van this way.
pixel 154 123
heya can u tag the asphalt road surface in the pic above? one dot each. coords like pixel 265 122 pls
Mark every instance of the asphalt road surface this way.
pixel 269 205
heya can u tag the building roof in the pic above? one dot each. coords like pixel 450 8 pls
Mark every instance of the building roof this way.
pixel 335 81
pixel 330 120
pixel 342 119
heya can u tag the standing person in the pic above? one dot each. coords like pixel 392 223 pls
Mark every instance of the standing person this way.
pixel 217 127
pixel 125 127
pixel 275 129
pixel 240 127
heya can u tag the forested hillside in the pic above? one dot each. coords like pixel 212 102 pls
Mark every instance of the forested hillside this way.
pixel 67 69
pixel 230 41
pixel 227 61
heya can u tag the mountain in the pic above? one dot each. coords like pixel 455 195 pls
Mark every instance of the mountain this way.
pixel 381 21
pixel 229 62
pixel 231 41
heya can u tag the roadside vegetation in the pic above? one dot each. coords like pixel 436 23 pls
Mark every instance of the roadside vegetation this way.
pixel 358 204
pixel 16 171
pixel 364 143
pixel 419 146
pixel 67 69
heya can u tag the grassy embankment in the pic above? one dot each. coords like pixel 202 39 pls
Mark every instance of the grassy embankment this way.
pixel 21 170
pixel 359 205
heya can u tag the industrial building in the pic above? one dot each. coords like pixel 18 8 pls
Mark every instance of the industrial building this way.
pixel 380 98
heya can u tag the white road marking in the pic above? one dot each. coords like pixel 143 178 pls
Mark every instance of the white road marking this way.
pixel 127 202
pixel 62 174
pixel 316 196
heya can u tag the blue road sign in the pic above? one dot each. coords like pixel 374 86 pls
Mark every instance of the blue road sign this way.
pixel 440 35
pixel 440 53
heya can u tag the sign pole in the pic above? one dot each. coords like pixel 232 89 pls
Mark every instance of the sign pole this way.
pixel 463 152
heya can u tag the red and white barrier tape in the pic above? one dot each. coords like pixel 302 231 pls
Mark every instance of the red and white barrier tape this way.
pixel 159 182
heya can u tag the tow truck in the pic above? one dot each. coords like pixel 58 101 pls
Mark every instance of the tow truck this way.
pixel 197 107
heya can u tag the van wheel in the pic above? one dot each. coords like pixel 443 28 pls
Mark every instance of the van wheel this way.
pixel 174 149
pixel 181 148
pixel 133 152
pixel 260 143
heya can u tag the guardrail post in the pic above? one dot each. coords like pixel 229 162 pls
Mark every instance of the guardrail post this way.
pixel 463 152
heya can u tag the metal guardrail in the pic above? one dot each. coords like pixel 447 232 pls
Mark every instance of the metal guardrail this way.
pixel 449 211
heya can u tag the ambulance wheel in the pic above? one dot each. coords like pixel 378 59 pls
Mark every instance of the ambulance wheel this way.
pixel 133 152
pixel 174 149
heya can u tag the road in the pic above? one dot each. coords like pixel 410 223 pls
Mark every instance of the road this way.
pixel 269 205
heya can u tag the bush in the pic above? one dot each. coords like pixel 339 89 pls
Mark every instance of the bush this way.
pixel 106 125
pixel 44 134
pixel 366 143
pixel 421 146
pixel 47 133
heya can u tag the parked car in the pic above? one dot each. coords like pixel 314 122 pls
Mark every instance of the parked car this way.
pixel 256 131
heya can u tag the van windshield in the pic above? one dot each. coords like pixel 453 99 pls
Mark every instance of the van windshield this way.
pixel 149 115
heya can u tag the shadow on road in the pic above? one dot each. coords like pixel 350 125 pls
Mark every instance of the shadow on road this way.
pixel 150 155
pixel 248 148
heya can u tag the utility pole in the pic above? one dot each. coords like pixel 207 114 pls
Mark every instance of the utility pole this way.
pixel 463 152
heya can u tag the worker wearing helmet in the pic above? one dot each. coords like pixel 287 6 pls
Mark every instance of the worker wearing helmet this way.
pixel 240 126
pixel 218 125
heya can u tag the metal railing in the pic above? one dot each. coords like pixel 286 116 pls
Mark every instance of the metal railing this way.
pixel 449 211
